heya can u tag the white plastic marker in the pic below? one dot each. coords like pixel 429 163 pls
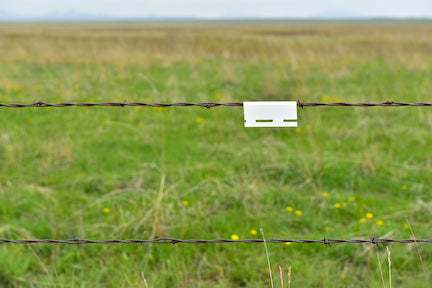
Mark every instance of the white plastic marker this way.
pixel 270 114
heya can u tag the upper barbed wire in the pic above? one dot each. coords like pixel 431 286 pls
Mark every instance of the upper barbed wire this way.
pixel 117 104
pixel 41 104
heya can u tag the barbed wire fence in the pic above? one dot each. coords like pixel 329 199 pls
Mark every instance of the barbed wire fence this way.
pixel 41 104
pixel 77 241
pixel 203 241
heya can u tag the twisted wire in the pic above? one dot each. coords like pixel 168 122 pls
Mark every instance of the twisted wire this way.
pixel 382 104
pixel 118 104
pixel 203 241
pixel 41 104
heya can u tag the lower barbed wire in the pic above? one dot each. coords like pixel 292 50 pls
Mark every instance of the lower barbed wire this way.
pixel 325 241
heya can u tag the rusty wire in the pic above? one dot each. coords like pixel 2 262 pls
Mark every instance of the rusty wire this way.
pixel 41 104
pixel 382 104
pixel 118 104
pixel 202 241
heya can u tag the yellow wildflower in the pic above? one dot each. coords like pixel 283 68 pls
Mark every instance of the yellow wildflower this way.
pixel 363 220
pixel 298 212
pixel 325 194
pixel 253 232
pixel 289 209
pixel 326 99
pixel 186 203
pixel 200 120
pixel 298 130
pixel 344 204
pixel 404 187
pixel 326 229
pixel 407 226
pixel 352 199
pixel 235 237
pixel 288 243
pixel 337 205
pixel 106 210
pixel 308 127
pixel 380 222
pixel 369 215
pixel 10 148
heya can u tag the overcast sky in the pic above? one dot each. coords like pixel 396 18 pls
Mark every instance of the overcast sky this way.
pixel 223 8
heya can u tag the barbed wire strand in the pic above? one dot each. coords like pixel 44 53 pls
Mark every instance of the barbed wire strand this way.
pixel 41 104
pixel 202 241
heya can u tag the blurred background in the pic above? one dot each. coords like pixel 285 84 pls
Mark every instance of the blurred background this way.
pixel 191 172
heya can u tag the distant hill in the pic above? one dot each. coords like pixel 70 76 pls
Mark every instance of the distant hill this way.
pixel 66 16
pixel 79 16
pixel 339 15
pixel 75 16
pixel 5 16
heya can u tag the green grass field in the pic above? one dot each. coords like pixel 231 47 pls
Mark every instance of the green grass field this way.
pixel 123 173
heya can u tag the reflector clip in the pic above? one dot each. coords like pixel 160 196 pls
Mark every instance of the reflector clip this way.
pixel 270 113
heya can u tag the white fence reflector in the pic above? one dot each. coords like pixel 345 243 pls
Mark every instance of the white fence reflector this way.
pixel 270 113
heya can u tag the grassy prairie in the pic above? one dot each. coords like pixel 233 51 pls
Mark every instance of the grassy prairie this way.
pixel 196 173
